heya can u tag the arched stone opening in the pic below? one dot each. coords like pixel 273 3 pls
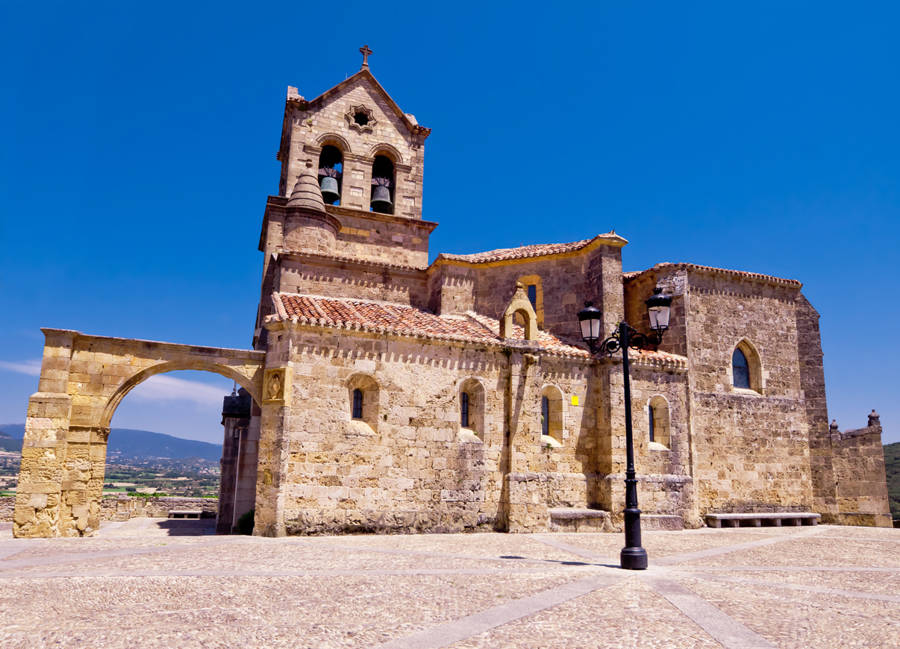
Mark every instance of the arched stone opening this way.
pixel 552 415
pixel 658 423
pixel 471 410
pixel 745 368
pixel 83 380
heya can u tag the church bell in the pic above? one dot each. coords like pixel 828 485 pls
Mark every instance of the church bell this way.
pixel 330 192
pixel 381 199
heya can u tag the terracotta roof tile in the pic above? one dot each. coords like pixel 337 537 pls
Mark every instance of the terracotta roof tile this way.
pixel 400 319
pixel 524 252
pixel 404 320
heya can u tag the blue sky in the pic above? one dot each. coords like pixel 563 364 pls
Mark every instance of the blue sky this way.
pixel 139 145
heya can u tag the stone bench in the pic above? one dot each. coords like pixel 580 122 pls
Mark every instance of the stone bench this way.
pixel 185 513
pixel 760 519
pixel 574 519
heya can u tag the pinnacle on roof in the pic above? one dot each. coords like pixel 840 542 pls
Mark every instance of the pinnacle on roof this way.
pixel 306 194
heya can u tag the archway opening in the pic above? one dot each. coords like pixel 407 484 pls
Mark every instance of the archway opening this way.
pixel 183 445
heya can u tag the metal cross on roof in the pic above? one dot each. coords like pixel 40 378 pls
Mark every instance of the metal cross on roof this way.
pixel 365 51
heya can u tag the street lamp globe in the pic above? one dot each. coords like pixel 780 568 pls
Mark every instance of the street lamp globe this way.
pixel 658 306
pixel 590 319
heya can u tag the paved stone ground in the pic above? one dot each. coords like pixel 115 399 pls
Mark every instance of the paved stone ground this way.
pixel 152 583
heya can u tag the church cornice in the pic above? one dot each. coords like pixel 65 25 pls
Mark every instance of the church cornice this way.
pixel 351 262
pixel 739 275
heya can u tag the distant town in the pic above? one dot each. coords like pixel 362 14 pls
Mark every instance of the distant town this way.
pixel 133 464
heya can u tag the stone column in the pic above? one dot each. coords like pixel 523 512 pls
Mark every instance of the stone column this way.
pixel 611 440
pixel 44 447
pixel 525 488
pixel 83 470
pixel 273 452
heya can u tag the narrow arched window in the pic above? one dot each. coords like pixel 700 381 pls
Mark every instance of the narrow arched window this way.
pixel 464 410
pixel 740 370
pixel 658 424
pixel 357 404
pixel 545 416
pixel 382 185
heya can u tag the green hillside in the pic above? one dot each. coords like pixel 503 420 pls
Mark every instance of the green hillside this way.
pixel 892 469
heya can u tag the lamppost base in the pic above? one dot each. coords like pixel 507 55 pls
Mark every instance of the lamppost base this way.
pixel 633 558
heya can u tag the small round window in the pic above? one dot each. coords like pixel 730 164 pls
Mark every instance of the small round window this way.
pixel 360 118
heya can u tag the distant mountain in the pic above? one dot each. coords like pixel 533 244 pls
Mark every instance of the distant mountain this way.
pixel 9 443
pixel 892 469
pixel 130 442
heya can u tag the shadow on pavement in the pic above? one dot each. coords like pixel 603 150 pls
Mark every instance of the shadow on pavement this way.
pixel 182 527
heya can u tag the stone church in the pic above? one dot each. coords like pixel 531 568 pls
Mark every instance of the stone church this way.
pixel 385 393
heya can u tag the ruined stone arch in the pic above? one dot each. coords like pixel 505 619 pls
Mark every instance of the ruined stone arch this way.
pixel 754 365
pixel 83 379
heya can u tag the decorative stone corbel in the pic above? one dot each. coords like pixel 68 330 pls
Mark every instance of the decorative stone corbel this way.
pixel 522 305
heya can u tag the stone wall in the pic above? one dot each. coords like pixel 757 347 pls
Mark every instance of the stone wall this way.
pixel 336 278
pixel 860 484
pixel 408 465
pixel 563 283
pixel 751 446
pixel 7 506
pixel 119 508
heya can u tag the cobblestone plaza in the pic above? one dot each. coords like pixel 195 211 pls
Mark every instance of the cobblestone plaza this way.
pixel 154 583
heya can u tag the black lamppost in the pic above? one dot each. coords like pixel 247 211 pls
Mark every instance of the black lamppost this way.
pixel 633 556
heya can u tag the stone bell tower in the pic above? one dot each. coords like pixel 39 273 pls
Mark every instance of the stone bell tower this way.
pixel 349 201
pixel 368 154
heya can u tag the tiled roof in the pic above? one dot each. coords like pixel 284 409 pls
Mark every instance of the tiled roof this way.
pixel 537 250
pixel 403 320
pixel 759 277
pixel 657 359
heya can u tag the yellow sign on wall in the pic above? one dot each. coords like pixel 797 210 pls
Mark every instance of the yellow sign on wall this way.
pixel 574 399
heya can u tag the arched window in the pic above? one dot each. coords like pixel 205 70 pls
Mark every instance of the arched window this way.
pixel 658 423
pixel 382 185
pixel 464 409
pixel 364 402
pixel 357 404
pixel 331 172
pixel 471 409
pixel 552 415
pixel 746 369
